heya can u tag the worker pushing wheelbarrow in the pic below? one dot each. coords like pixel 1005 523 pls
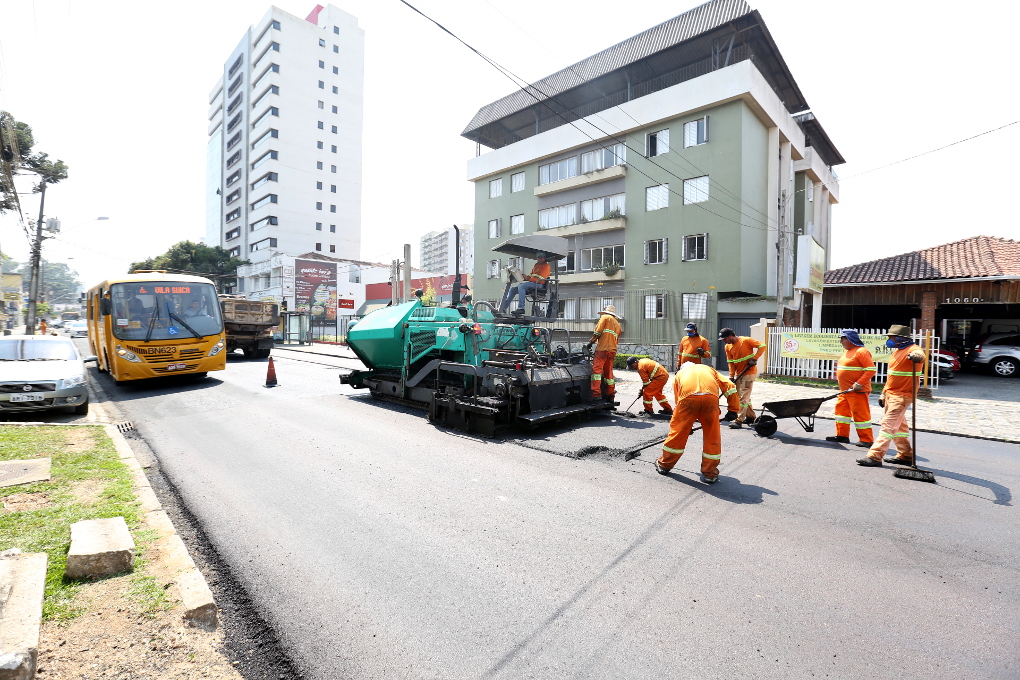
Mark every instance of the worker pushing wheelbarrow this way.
pixel 803 410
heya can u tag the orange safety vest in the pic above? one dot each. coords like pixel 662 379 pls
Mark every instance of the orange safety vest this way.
pixel 901 368
pixel 740 351
pixel 608 331
pixel 855 366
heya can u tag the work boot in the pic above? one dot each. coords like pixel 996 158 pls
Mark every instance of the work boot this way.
pixel 736 425
pixel 896 460
pixel 667 411
pixel 869 462
pixel 864 445
pixel 518 312
pixel 661 470
pixel 839 440
pixel 709 480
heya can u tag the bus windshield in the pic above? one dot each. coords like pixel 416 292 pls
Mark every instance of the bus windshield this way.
pixel 165 310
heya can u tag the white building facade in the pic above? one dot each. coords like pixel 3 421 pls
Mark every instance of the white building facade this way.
pixel 284 155
pixel 438 248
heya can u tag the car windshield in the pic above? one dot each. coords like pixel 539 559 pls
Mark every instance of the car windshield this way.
pixel 165 310
pixel 27 349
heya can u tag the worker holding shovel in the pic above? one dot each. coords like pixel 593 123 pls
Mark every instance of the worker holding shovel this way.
pixel 898 395
pixel 742 355
pixel 854 371
pixel 653 379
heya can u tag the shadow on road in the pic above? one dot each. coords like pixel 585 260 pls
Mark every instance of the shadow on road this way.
pixel 150 387
pixel 1003 495
pixel 727 488
pixel 784 438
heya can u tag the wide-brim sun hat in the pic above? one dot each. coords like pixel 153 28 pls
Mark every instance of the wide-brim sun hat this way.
pixel 611 310
pixel 898 330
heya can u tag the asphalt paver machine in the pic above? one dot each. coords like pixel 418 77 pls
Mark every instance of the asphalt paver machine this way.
pixel 474 368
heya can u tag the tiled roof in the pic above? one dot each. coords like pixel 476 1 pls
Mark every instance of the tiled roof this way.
pixel 970 258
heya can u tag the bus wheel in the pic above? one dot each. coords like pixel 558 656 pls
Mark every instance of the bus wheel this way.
pixel 99 364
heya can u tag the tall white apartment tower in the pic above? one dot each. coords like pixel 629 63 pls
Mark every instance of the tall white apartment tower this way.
pixel 284 151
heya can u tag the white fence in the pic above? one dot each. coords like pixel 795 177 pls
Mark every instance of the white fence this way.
pixel 826 368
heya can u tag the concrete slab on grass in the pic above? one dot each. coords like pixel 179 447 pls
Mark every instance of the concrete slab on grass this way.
pixel 17 472
pixel 100 547
pixel 22 584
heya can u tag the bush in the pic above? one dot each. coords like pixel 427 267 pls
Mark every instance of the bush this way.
pixel 620 360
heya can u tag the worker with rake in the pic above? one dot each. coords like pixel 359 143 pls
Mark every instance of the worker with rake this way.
pixel 742 356
pixel 854 371
pixel 653 379
pixel 897 397
pixel 693 347
pixel 697 388
pixel 605 339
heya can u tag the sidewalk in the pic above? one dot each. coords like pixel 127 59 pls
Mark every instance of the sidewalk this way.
pixel 323 349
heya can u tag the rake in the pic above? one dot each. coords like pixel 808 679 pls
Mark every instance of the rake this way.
pixel 913 472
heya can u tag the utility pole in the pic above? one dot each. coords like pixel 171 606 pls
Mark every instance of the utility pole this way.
pixel 33 286
pixel 408 295
pixel 781 260
pixel 393 282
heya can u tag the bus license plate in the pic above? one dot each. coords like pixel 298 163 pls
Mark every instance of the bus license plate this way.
pixel 27 397
pixel 175 367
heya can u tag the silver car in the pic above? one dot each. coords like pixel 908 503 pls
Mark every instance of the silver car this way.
pixel 78 329
pixel 40 372
pixel 999 353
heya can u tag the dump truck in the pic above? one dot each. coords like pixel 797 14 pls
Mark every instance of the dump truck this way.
pixel 248 325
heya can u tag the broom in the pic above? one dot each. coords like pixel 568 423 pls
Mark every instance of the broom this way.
pixel 913 472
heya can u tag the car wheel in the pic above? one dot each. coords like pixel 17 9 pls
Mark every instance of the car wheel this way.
pixel 1006 367
pixel 82 409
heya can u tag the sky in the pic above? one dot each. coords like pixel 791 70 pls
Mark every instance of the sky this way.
pixel 119 91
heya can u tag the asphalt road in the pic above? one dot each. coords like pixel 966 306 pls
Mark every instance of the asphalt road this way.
pixel 379 546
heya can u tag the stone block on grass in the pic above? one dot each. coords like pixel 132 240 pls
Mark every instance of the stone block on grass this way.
pixel 100 547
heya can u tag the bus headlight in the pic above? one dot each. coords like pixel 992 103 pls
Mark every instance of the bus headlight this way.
pixel 216 349
pixel 130 356
pixel 73 381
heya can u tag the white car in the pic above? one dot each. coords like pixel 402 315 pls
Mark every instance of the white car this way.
pixel 78 329
pixel 42 372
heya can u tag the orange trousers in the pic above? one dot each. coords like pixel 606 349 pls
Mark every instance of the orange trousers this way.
pixel 602 372
pixel 853 407
pixel 895 429
pixel 653 391
pixel 703 408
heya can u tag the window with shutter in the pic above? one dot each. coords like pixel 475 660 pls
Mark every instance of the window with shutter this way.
pixel 696 190
pixel 494 228
pixel 517 224
pixel 657 143
pixel 657 197
pixel 694 305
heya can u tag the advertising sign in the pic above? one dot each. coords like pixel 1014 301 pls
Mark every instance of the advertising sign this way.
pixel 443 285
pixel 315 288
pixel 345 303
pixel 810 264
pixel 827 346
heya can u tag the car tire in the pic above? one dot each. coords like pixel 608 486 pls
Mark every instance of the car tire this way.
pixel 1005 367
pixel 82 409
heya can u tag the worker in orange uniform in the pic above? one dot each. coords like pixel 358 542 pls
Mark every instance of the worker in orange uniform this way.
pixel 693 348
pixel 697 388
pixel 854 371
pixel 538 276
pixel 605 338
pixel 742 356
pixel 897 396
pixel 653 379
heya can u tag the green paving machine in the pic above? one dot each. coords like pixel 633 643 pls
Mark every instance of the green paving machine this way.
pixel 473 367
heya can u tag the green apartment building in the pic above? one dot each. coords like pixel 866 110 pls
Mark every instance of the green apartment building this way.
pixel 684 169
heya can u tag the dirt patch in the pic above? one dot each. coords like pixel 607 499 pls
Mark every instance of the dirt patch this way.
pixel 78 439
pixel 26 501
pixel 87 492
pixel 113 640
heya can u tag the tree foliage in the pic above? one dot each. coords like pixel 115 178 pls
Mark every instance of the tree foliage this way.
pixel 16 144
pixel 60 283
pixel 197 259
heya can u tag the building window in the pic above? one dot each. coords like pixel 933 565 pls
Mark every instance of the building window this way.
pixel 318 226
pixel 657 197
pixel 694 306
pixel 332 148
pixel 516 182
pixel 272 89
pixel 233 159
pixel 234 252
pixel 268 177
pixel 334 108
pixel 318 165
pixel 492 271
pixel 233 105
pixel 322 104
pixel 515 263
pixel 496 187
pixel 272 47
pixel 336 29
pixel 233 215
pixel 271 133
pixel 233 196
pixel 232 142
pixel 322 85
pixel 553 172
pixel 656 251
pixel 354 275
pixel 258 224
pixel 696 247
pixel 605 208
pixel 318 246
pixel 590 307
pixel 233 86
pixel 560 216
pixel 322 64
pixel 271 111
pixel 332 228
pixel 657 143
pixel 494 228
pixel 318 185
pixel 236 65
pixel 336 48
pixel 322 43
pixel 267 156
pixel 696 132
pixel 606 157
pixel 318 205
pixel 262 245
pixel 566 264
pixel 336 71
pixel 332 248
pixel 655 306
pixel 567 309
pixel 594 259
pixel 336 90
pixel 321 126
pixel 332 188
pixel 319 145
pixel 332 208
pixel 273 24
pixel 232 234
pixel 332 168
pixel 234 177
pixel 272 68
pixel 516 224
pixel 696 190
pixel 265 200
pixel 233 122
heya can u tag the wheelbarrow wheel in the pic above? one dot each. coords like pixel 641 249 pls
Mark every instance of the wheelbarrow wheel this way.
pixel 765 426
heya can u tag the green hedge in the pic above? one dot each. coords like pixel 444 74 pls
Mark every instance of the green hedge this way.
pixel 620 360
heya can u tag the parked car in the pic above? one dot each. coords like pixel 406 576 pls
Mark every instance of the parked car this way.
pixel 57 323
pixel 78 329
pixel 41 372
pixel 998 353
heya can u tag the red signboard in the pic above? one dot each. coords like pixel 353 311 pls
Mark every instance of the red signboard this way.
pixel 345 303
pixel 443 285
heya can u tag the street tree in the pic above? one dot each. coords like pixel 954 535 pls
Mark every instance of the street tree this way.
pixel 197 259
pixel 58 282
pixel 16 154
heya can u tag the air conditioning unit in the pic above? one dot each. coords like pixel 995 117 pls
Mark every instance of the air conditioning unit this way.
pixel 53 225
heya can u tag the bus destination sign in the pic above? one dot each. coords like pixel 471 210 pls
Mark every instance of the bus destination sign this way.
pixel 164 290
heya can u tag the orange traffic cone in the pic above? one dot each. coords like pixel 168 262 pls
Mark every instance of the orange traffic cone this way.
pixel 271 374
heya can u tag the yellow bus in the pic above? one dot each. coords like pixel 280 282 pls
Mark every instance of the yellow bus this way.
pixel 151 324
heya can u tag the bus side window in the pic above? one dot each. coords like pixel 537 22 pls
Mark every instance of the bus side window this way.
pixel 88 306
